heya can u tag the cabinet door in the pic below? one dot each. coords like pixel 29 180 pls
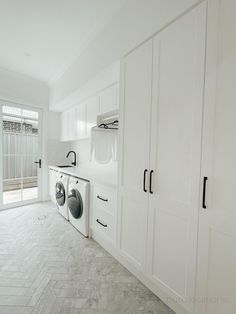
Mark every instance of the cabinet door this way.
pixel 134 153
pixel 63 130
pixel 91 115
pixel 71 124
pixel 178 82
pixel 217 224
pixel 80 114
pixel 68 125
pixel 108 99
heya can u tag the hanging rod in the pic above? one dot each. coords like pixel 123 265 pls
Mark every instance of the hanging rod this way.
pixel 107 125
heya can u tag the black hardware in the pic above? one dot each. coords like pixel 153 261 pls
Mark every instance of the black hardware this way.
pixel 204 193
pixel 114 125
pixel 101 223
pixel 39 163
pixel 150 182
pixel 144 180
pixel 102 199
pixel 71 151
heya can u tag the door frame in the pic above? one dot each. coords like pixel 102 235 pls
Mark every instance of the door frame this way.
pixel 40 150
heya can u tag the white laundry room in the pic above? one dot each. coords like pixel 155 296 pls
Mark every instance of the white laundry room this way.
pixel 117 157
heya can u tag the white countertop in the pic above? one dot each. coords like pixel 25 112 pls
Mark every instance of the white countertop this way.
pixel 103 174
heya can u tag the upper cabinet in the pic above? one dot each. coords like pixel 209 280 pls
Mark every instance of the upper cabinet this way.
pixel 80 117
pixel 92 109
pixel 77 122
pixel 109 99
pixel 68 125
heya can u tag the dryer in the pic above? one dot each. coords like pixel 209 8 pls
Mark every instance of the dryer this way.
pixel 61 193
pixel 78 204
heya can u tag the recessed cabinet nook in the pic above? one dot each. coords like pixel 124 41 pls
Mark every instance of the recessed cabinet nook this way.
pixel 176 212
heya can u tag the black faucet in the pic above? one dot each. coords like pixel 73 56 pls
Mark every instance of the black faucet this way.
pixel 74 162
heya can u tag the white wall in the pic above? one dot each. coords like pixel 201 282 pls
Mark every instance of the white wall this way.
pixel 82 149
pixel 55 150
pixel 108 76
pixel 22 89
pixel 135 22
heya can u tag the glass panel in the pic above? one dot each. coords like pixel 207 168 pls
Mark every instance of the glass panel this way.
pixel 11 180
pixel 30 114
pixel 30 184
pixel 20 151
pixel 30 169
pixel 11 110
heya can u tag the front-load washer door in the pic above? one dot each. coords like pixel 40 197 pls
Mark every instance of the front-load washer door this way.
pixel 60 194
pixel 75 203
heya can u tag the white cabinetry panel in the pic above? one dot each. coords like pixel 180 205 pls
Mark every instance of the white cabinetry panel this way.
pixel 108 99
pixel 161 128
pixel 217 224
pixel 76 123
pixel 178 84
pixel 64 126
pixel 91 114
pixel 104 210
pixel 80 114
pixel 135 134
pixel 68 125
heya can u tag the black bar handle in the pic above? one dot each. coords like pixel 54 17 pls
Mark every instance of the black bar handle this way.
pixel 101 223
pixel 39 163
pixel 144 180
pixel 204 193
pixel 150 182
pixel 102 199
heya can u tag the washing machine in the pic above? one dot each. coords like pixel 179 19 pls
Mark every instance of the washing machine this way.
pixel 61 194
pixel 78 204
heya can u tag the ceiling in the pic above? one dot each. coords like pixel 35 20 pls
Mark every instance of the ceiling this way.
pixel 41 38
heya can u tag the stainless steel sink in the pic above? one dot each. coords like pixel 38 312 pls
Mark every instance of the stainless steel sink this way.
pixel 66 166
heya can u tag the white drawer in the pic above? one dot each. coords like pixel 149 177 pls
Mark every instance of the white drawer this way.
pixel 104 224
pixel 105 198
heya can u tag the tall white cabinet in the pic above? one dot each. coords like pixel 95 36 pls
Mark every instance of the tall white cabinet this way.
pixel 135 134
pixel 216 276
pixel 175 159
pixel 161 129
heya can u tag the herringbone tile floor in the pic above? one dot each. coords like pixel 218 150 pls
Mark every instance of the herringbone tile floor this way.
pixel 46 266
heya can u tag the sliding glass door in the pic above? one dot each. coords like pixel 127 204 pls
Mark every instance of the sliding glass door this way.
pixel 21 155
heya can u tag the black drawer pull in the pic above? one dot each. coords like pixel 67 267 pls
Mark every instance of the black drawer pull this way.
pixel 102 199
pixel 144 180
pixel 150 183
pixel 204 193
pixel 101 223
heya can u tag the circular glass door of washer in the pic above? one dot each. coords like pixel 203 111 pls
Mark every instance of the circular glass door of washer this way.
pixel 75 203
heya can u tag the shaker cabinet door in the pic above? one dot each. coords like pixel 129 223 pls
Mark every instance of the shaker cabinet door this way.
pixel 217 223
pixel 108 99
pixel 91 114
pixel 177 105
pixel 80 116
pixel 134 153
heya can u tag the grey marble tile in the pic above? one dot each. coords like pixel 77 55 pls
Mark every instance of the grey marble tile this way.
pixel 46 266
